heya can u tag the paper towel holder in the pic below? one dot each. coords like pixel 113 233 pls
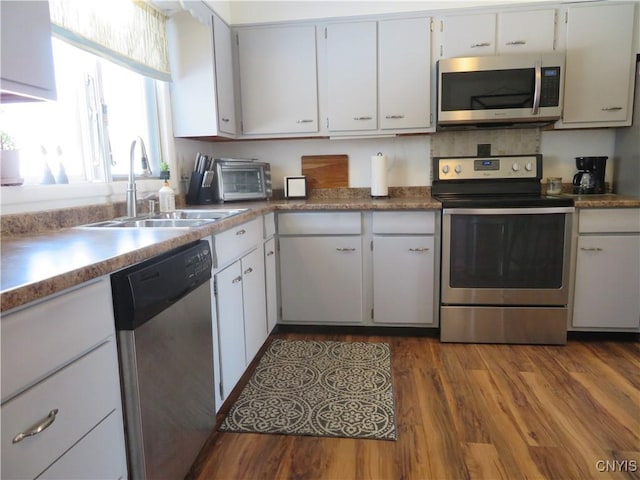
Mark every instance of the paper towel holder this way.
pixel 379 185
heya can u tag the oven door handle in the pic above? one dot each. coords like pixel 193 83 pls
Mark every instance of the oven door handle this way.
pixel 507 211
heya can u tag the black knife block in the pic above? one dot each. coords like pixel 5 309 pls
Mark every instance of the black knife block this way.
pixel 197 194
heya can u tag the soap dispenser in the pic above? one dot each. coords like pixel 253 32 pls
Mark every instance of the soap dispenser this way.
pixel 167 198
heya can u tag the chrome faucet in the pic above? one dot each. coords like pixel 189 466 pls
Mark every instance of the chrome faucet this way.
pixel 131 187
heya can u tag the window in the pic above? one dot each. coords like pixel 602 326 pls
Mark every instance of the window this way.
pixel 101 109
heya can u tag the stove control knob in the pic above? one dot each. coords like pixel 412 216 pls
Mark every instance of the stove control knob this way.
pixel 515 167
pixel 528 166
pixel 445 169
pixel 458 169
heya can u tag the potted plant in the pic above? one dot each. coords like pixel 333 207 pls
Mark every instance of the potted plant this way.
pixel 9 161
pixel 164 170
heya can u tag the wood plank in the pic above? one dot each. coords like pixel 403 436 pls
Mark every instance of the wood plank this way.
pixel 326 171
pixel 581 402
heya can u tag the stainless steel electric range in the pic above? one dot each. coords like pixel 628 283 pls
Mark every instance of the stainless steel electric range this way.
pixel 505 251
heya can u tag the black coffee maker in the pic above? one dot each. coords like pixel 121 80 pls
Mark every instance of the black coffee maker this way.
pixel 590 177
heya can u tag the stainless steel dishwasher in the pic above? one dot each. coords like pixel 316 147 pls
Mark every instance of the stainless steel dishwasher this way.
pixel 163 320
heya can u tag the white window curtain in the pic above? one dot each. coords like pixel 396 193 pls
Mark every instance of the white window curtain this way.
pixel 130 33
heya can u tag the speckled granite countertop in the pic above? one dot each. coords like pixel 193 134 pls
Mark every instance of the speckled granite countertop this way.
pixel 37 265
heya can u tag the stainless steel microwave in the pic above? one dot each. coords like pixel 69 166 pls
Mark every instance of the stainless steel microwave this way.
pixel 237 179
pixel 500 90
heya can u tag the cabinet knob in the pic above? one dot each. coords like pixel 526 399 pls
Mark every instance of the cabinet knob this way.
pixel 237 279
pixel 241 232
pixel 394 117
pixel 39 427
pixel 419 249
pixel 270 252
pixel 591 249
pixel 611 109
pixel 516 42
pixel 362 118
pixel 304 120
pixel 225 120
pixel 248 271
pixel 481 44
pixel 343 249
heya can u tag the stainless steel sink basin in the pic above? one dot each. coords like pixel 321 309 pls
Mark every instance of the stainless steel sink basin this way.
pixel 184 218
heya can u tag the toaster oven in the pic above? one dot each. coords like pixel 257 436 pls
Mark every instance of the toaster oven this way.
pixel 237 179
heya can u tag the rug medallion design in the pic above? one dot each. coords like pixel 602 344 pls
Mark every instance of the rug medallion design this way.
pixel 334 389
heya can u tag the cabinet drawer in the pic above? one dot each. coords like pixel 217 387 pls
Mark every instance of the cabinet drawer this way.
pixel 609 220
pixel 84 393
pixel 324 223
pixel 231 244
pixel 404 222
pixel 38 339
pixel 90 459
pixel 269 225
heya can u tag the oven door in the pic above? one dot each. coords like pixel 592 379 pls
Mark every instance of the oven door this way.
pixel 506 256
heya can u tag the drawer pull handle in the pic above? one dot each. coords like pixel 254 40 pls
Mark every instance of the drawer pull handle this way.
pixel 394 117
pixel 591 249
pixel 225 120
pixel 38 427
pixel 419 249
pixel 611 109
pixel 346 249
pixel 248 271
pixel 270 252
pixel 481 44
pixel 237 279
pixel 517 42
pixel 362 118
pixel 304 120
pixel 241 232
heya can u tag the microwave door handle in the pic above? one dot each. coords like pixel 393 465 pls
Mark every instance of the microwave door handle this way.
pixel 537 88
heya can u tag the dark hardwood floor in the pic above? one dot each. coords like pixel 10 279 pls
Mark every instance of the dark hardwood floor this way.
pixel 470 411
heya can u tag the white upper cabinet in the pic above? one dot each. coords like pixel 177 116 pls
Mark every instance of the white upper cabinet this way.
pixel 202 92
pixel 27 60
pixel 498 34
pixel 599 65
pixel 468 35
pixel 278 80
pixel 404 76
pixel 351 76
pixel 526 32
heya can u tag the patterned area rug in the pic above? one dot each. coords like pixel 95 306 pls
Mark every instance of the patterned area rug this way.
pixel 331 389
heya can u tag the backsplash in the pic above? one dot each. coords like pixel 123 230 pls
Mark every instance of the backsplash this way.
pixel 502 142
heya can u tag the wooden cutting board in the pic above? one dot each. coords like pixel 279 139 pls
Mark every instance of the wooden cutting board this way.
pixel 326 171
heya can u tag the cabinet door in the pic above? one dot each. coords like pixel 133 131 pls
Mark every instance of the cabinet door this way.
pixel 351 76
pixel 403 288
pixel 405 73
pixel 254 300
pixel 196 70
pixel 271 283
pixel 27 57
pixel 228 284
pixel 321 279
pixel 526 32
pixel 224 77
pixel 599 63
pixel 607 282
pixel 278 81
pixel 469 35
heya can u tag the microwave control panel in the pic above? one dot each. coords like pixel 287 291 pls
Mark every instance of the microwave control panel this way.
pixel 488 168
pixel 550 87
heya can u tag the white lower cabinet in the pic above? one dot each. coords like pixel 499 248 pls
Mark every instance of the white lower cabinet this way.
pixel 271 282
pixel 240 301
pixel 321 279
pixel 404 268
pixel 403 279
pixel 60 393
pixel 607 275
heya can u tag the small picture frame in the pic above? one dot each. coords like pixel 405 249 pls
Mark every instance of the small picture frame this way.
pixel 295 187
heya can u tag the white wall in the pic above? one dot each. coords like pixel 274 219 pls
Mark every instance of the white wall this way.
pixel 409 157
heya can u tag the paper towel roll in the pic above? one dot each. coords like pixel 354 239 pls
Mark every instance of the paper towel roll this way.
pixel 379 186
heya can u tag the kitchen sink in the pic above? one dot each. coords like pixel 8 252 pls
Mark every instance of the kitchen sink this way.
pixel 183 218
